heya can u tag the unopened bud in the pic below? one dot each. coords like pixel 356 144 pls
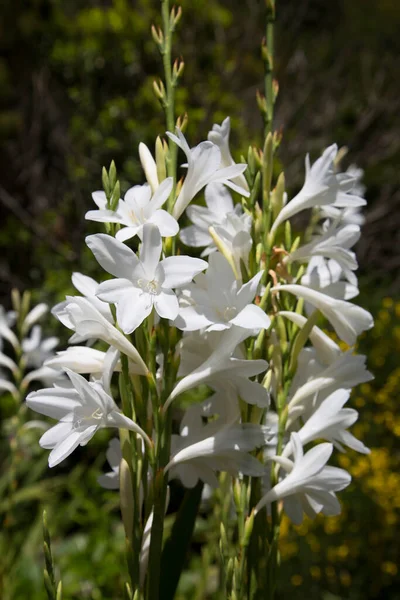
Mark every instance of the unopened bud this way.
pixel 182 122
pixel 158 35
pixel 105 181
pixel 262 103
pixel 224 539
pixel 248 529
pixel 267 380
pixel 59 591
pixel 275 89
pixel 16 300
pixel 115 196
pixel 161 159
pixel 149 166
pixel 175 16
pixel 112 175
pixel 278 196
pixel 177 69
pixel 159 90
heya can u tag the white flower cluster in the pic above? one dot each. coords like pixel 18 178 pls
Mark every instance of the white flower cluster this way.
pixel 174 322
pixel 21 337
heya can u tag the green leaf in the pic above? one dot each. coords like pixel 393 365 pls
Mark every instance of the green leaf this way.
pixel 177 545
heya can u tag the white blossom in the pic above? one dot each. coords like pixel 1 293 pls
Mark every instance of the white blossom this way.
pixel 204 166
pixel 309 485
pixel 348 320
pixel 219 135
pixel 330 422
pixel 139 207
pixel 334 243
pixel 88 288
pixel 219 213
pixel 220 368
pixel 200 450
pixel 81 410
pixel 217 301
pixel 328 277
pixel 322 187
pixel 347 371
pixel 141 283
pixel 81 315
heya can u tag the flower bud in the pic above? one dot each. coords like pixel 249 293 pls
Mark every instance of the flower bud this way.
pixel 158 35
pixel 161 159
pixel 149 166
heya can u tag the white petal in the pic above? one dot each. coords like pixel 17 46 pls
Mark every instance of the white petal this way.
pixel 126 233
pixel 161 195
pixel 53 402
pixel 132 309
pixel 151 249
pixel 112 255
pixel 35 314
pixel 65 448
pixel 55 434
pixel 166 304
pixel 193 236
pixel 252 317
pixel 149 166
pixel 84 284
pixel 218 198
pixel 180 270
pixel 167 225
pixel 113 289
pixel 103 216
pixel 109 481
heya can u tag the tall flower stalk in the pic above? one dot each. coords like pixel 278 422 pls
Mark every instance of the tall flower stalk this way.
pixel 225 379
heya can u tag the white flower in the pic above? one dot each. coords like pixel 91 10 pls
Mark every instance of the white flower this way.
pixel 330 422
pixel 309 485
pixel 110 481
pixel 82 410
pixel 34 315
pixel 80 315
pixel 348 320
pixel 5 330
pixel 347 371
pixel 142 283
pixel 328 351
pixel 322 187
pixel 219 135
pixel 88 288
pixel 36 351
pixel 139 207
pixel 329 277
pixel 80 359
pixel 204 166
pixel 217 301
pixel 334 243
pixel 222 370
pixel 200 450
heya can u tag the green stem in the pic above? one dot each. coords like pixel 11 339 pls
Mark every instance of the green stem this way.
pixel 269 67
pixel 169 100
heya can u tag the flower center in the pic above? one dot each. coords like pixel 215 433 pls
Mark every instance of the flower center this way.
pixel 152 287
pixel 230 312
